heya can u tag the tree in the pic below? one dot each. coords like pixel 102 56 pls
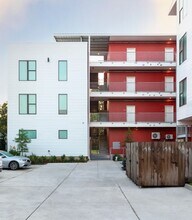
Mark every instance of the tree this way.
pixel 128 137
pixel 3 126
pixel 22 140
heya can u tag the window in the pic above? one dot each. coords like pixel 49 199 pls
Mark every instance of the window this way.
pixel 183 6
pixel 62 70
pixel 63 134
pixel 181 14
pixel 63 104
pixel 183 92
pixel 27 104
pixel 27 70
pixel 183 49
pixel 32 134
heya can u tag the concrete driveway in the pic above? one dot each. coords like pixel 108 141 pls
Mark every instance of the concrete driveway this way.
pixel 95 190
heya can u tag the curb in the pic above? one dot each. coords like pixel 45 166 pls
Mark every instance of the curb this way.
pixel 188 186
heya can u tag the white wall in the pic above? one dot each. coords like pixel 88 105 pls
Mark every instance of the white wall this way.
pixel 47 121
pixel 185 69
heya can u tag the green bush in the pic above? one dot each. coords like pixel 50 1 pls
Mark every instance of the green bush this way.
pixel 53 159
pixel 117 157
pixel 14 152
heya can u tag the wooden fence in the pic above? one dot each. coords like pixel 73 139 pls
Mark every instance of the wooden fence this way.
pixel 159 163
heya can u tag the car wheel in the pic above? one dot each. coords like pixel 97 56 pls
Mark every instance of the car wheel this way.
pixel 14 165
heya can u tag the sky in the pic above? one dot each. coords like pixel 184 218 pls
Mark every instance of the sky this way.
pixel 35 21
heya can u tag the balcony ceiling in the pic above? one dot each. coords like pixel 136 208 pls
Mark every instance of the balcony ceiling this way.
pixel 100 42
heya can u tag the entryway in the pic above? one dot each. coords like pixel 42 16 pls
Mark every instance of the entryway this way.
pixel 99 144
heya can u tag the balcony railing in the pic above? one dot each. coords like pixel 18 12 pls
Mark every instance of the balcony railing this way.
pixel 138 56
pixel 139 117
pixel 133 87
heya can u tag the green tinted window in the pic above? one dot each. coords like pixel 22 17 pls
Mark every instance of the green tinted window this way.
pixel 22 104
pixel 27 70
pixel 63 104
pixel 63 134
pixel 27 104
pixel 31 134
pixel 183 92
pixel 62 70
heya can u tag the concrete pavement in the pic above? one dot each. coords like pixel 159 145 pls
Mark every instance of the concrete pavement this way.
pixel 93 190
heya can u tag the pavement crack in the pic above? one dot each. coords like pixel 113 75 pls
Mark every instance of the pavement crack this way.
pixel 63 180
pixel 13 177
pixel 128 202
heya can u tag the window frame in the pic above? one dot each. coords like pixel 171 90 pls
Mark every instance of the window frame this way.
pixel 66 75
pixel 59 110
pixel 183 49
pixel 59 136
pixel 28 70
pixel 183 92
pixel 181 11
pixel 28 104
pixel 29 130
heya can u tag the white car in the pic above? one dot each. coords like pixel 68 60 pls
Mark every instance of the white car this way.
pixel 14 162
pixel 1 164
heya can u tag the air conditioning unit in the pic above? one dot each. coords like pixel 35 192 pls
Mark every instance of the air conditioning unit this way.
pixel 169 137
pixel 155 135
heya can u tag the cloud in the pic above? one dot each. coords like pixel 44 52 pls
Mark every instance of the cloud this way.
pixel 13 12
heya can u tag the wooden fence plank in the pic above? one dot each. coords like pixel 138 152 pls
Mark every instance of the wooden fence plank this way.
pixel 158 163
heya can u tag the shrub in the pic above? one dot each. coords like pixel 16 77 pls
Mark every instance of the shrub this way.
pixel 52 159
pixel 71 159
pixel 14 152
pixel 117 157
pixel 63 158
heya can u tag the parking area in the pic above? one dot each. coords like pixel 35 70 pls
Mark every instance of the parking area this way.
pixel 93 190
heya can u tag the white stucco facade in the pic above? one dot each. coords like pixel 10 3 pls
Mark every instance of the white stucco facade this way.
pixel 184 69
pixel 47 121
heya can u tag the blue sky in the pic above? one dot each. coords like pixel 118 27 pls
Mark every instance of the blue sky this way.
pixel 38 21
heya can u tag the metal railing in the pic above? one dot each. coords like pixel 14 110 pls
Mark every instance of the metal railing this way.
pixel 139 117
pixel 133 87
pixel 138 56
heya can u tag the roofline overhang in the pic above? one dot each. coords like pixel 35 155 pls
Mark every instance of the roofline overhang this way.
pixel 173 8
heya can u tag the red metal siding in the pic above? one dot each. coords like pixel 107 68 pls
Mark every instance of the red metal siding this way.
pixel 138 135
pixel 143 108
pixel 144 51
pixel 145 81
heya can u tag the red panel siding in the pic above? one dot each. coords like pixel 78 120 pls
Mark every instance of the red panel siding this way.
pixel 145 81
pixel 144 51
pixel 138 135
pixel 117 110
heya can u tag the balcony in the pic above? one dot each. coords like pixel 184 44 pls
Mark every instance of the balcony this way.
pixel 130 60
pixel 139 119
pixel 128 89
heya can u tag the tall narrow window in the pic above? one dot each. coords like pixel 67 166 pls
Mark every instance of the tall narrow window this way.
pixel 183 92
pixel 62 70
pixel 183 49
pixel 27 104
pixel 63 104
pixel 63 134
pixel 27 70
pixel 32 134
pixel 181 13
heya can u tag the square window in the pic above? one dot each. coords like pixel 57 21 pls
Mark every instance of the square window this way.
pixel 27 104
pixel 27 70
pixel 63 134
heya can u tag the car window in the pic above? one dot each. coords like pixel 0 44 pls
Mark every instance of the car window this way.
pixel 6 154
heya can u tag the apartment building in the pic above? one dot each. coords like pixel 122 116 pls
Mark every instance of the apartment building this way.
pixel 48 93
pixel 132 90
pixel 183 10
pixel 87 95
